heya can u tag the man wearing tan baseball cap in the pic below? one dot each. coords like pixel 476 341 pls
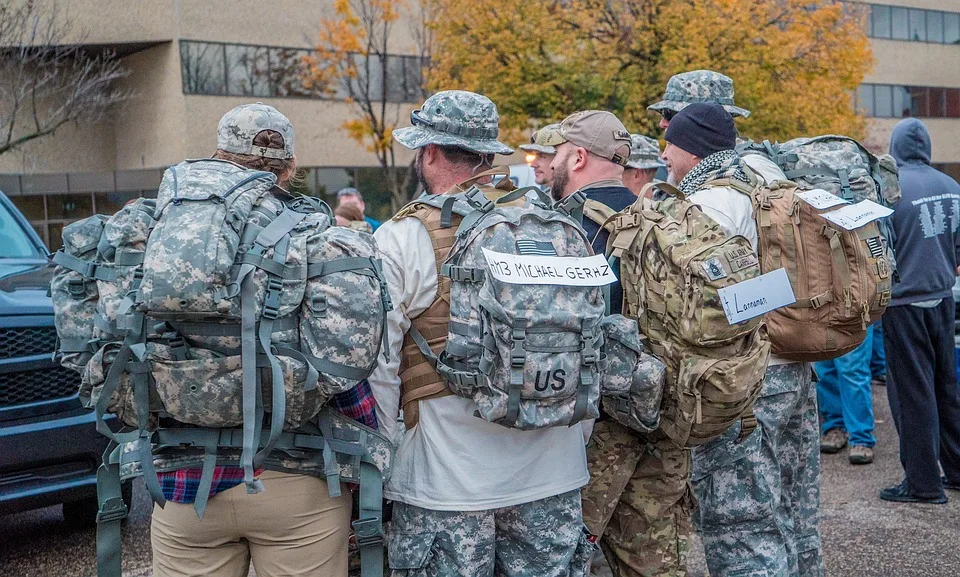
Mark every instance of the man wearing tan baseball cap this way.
pixel 593 148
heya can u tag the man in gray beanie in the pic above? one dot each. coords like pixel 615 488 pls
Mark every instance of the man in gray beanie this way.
pixel 758 497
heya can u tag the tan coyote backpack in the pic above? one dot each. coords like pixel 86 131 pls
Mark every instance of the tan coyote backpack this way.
pixel 674 260
pixel 841 278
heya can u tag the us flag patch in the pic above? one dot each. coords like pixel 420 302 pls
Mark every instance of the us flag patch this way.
pixel 876 246
pixel 536 248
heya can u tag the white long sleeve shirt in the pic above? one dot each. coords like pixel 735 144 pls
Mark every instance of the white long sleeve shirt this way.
pixel 452 460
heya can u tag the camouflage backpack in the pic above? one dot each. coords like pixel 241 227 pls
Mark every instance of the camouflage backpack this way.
pixel 674 260
pixel 841 278
pixel 222 303
pixel 527 354
pixel 632 380
pixel 843 167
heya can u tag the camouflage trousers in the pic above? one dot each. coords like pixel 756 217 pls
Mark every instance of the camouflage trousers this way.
pixel 638 502
pixel 759 499
pixel 543 538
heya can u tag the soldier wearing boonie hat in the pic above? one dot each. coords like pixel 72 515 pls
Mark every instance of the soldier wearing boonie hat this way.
pixel 696 86
pixel 643 164
pixel 540 155
pixel 483 507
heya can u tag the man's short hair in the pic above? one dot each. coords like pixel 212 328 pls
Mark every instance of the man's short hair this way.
pixel 464 157
pixel 349 191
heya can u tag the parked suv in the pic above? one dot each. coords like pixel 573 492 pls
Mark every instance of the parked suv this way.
pixel 49 447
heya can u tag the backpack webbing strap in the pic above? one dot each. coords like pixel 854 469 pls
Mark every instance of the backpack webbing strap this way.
pixel 840 263
pixel 368 528
pixel 518 358
pixel 278 229
pixel 600 214
pixel 269 313
pixel 588 360
pixel 140 375
pixel 87 268
pixel 111 511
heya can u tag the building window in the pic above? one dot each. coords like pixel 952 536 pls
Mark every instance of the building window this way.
pixel 885 101
pixel 217 69
pixel 913 24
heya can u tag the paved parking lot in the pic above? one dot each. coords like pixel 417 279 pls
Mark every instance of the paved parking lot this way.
pixel 863 536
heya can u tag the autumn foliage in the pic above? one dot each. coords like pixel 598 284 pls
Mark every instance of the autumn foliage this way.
pixel 795 63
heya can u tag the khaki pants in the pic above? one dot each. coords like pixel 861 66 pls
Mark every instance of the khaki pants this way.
pixel 292 528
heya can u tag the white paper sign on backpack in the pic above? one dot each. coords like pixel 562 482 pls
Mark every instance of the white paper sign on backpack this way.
pixel 549 270
pixel 821 199
pixel 757 296
pixel 854 216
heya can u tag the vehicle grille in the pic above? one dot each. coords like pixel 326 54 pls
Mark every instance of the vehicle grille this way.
pixel 41 385
pixel 26 341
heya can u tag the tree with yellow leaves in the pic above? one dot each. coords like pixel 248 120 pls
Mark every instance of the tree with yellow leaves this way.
pixel 355 59
pixel 795 63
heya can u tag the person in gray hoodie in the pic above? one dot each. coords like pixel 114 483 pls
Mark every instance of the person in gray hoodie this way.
pixel 918 326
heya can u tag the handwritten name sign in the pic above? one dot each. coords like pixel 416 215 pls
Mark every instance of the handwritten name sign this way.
pixel 854 216
pixel 757 296
pixel 552 270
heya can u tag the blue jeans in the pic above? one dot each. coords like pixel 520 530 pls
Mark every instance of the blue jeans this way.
pixel 878 359
pixel 844 394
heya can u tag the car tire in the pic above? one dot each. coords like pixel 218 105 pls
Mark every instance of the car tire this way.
pixel 83 513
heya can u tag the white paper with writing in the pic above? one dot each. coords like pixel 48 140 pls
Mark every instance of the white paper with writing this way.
pixel 757 296
pixel 552 270
pixel 821 199
pixel 856 215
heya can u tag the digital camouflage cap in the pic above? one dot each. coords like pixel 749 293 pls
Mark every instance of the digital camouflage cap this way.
pixel 241 125
pixel 597 131
pixel 538 138
pixel 455 118
pixel 644 152
pixel 698 86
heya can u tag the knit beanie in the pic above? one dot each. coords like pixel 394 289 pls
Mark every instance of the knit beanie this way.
pixel 702 128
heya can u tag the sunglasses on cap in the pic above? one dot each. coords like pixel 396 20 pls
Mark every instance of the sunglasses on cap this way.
pixel 668 114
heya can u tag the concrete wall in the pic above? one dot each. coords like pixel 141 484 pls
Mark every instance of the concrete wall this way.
pixel 915 63
pixel 944 136
pixel 150 128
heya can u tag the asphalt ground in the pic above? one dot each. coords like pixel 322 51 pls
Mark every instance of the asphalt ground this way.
pixel 862 535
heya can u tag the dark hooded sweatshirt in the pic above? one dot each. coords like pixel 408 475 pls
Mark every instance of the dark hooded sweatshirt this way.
pixel 617 197
pixel 926 220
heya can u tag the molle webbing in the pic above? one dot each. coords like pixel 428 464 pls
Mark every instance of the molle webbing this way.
pixel 419 379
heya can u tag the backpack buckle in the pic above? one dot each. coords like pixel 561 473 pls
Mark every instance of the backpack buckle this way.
pixel 518 354
pixel 77 287
pixel 368 531
pixel 478 200
pixel 271 303
pixel 629 220
pixel 113 509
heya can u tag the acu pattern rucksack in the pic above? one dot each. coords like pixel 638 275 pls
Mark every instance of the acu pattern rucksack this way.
pixel 674 260
pixel 216 322
pixel 528 355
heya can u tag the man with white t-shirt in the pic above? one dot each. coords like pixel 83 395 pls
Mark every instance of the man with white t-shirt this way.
pixel 470 497
pixel 758 498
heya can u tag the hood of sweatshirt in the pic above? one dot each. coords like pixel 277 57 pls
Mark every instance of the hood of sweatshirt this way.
pixel 910 142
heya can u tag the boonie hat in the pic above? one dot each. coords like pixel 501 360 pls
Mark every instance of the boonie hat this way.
pixel 240 126
pixel 698 86
pixel 644 152
pixel 598 131
pixel 455 118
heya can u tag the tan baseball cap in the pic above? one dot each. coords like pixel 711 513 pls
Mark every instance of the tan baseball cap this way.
pixel 598 131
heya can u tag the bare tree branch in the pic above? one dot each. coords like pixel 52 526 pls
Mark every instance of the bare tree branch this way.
pixel 46 83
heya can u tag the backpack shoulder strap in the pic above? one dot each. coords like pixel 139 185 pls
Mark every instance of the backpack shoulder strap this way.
pixel 599 213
